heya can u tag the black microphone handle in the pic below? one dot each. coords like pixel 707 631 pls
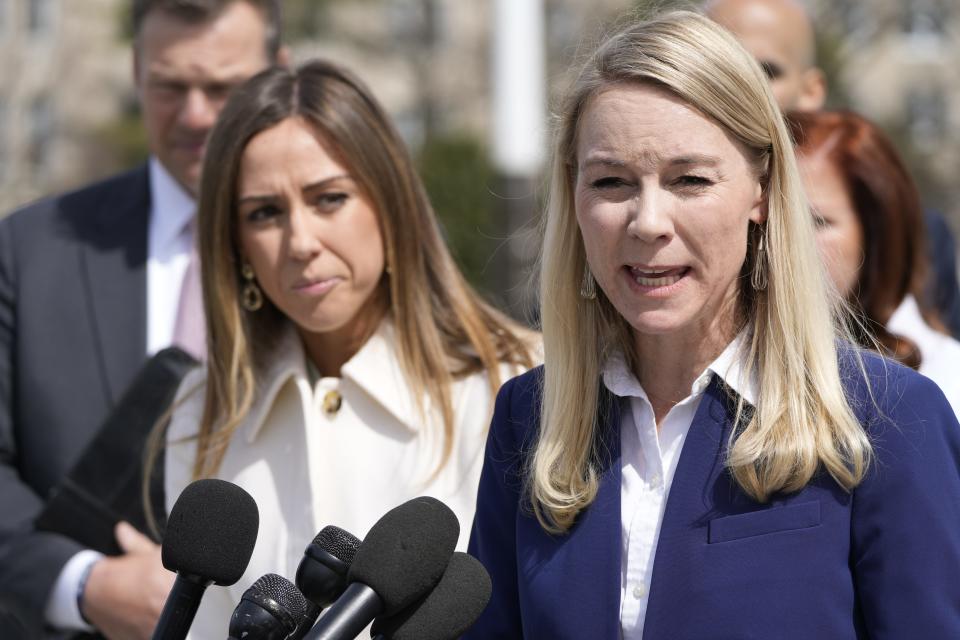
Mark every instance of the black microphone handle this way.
pixel 349 615
pixel 180 608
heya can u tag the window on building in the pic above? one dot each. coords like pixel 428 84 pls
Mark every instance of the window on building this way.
pixel 857 20
pixel 4 137
pixel 41 135
pixel 418 24
pixel 927 117
pixel 924 17
pixel 40 15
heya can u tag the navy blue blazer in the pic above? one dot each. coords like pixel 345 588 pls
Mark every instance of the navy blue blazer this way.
pixel 880 562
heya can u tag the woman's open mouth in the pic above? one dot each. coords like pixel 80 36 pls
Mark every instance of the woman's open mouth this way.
pixel 657 276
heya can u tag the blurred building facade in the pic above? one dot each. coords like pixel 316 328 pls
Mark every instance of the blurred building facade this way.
pixel 897 63
pixel 64 77
pixel 67 104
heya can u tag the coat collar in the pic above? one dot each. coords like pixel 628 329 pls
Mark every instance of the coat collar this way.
pixel 375 370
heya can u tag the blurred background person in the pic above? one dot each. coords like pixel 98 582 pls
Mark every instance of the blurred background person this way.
pixel 351 366
pixel 780 35
pixel 93 282
pixel 703 455
pixel 869 227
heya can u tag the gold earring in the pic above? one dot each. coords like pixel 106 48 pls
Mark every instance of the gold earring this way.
pixel 251 297
pixel 588 286
pixel 758 277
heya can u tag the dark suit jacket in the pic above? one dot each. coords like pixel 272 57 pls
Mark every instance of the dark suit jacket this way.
pixel 72 336
pixel 882 562
pixel 943 288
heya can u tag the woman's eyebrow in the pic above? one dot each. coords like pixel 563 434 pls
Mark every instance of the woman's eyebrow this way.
pixel 269 197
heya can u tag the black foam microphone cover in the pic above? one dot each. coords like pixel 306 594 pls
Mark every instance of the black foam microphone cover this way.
pixel 272 609
pixel 406 552
pixel 210 536
pixel 446 612
pixel 322 573
pixel 402 558
pixel 211 531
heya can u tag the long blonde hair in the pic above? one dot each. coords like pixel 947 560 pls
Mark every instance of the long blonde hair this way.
pixel 802 419
pixel 444 330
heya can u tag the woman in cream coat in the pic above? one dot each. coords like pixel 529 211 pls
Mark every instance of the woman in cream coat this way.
pixel 350 367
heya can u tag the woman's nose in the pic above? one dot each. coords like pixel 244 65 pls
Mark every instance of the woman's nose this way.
pixel 650 219
pixel 305 235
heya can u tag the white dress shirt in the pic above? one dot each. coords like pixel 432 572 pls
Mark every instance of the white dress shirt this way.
pixel 648 462
pixel 169 240
pixel 939 353
pixel 307 469
pixel 169 237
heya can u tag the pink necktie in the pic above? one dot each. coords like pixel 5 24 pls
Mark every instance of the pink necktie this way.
pixel 189 332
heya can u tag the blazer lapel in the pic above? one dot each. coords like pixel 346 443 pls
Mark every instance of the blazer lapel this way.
pixel 683 532
pixel 113 265
pixel 575 579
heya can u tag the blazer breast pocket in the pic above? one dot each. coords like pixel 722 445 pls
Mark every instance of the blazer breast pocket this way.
pixel 758 523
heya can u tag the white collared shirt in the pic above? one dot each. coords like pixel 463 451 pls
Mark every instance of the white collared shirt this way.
pixel 168 254
pixel 169 240
pixel 939 353
pixel 307 469
pixel 648 462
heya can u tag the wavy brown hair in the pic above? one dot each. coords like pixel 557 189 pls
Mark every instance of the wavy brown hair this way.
pixel 887 205
pixel 444 330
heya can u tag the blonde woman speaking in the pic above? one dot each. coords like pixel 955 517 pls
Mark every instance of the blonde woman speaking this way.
pixel 704 453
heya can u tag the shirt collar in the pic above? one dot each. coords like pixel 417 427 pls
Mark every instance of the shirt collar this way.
pixel 171 207
pixel 375 369
pixel 729 366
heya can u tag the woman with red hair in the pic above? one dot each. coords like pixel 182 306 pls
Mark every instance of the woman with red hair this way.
pixel 869 225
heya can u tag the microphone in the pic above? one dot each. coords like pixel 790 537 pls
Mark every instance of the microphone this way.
pixel 210 536
pixel 272 609
pixel 275 609
pixel 401 559
pixel 446 612
pixel 322 574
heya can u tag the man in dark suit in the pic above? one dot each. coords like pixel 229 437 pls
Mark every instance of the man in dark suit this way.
pixel 779 34
pixel 91 283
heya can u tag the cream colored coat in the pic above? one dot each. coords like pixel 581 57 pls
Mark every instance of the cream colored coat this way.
pixel 307 469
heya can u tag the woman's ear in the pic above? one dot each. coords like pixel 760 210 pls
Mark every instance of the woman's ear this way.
pixel 758 213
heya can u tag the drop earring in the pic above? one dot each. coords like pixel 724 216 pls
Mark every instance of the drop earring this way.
pixel 251 297
pixel 758 277
pixel 588 286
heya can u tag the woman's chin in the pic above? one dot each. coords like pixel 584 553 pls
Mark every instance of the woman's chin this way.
pixel 663 322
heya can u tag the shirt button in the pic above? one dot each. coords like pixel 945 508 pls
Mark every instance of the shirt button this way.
pixel 639 591
pixel 655 479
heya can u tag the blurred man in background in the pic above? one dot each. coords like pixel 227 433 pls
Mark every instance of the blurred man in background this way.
pixel 92 283
pixel 779 34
